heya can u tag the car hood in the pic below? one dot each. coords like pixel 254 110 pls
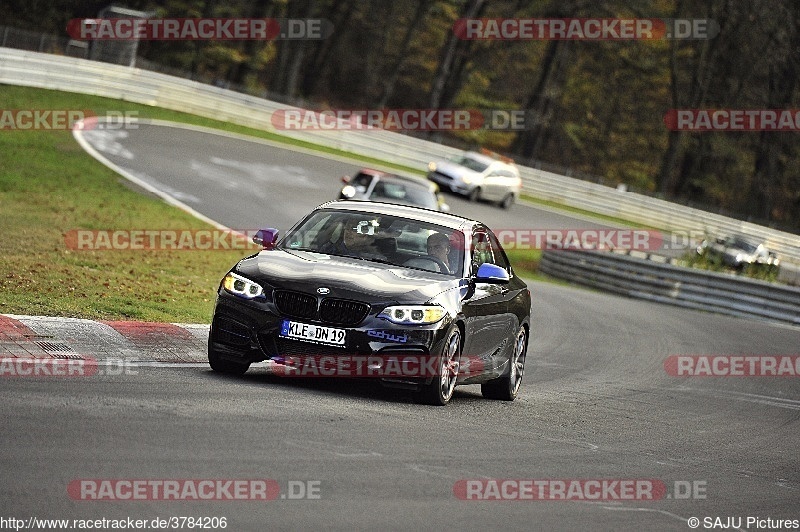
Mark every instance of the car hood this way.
pixel 455 170
pixel 345 277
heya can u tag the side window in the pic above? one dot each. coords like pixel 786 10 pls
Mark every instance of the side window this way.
pixel 362 180
pixel 499 255
pixel 481 250
pixel 486 248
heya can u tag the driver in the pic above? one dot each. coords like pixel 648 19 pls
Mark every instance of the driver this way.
pixel 439 247
pixel 357 240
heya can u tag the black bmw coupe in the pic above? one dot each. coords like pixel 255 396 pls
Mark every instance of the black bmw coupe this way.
pixel 415 297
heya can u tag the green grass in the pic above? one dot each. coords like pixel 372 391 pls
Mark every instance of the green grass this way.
pixel 49 186
pixel 583 212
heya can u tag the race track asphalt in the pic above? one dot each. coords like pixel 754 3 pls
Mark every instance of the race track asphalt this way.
pixel 597 401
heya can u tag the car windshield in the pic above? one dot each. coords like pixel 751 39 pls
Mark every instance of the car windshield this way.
pixel 472 164
pixel 405 194
pixel 380 238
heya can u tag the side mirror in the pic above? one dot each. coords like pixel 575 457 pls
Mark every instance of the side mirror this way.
pixel 491 273
pixel 266 238
pixel 345 179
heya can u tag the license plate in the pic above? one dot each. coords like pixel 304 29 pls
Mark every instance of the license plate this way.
pixel 312 333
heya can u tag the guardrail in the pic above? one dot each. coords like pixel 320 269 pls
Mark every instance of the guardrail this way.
pixel 35 69
pixel 676 285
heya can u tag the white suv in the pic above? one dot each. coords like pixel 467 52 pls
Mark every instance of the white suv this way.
pixel 478 176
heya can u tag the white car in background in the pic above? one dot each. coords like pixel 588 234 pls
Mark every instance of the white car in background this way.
pixel 479 176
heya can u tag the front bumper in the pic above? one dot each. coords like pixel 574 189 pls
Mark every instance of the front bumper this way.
pixel 453 184
pixel 248 331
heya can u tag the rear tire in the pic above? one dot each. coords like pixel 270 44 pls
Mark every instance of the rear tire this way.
pixel 440 390
pixel 506 388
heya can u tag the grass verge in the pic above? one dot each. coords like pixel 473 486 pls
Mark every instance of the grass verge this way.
pixel 48 186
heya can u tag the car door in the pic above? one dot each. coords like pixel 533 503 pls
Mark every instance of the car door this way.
pixel 492 184
pixel 488 320
pixel 506 183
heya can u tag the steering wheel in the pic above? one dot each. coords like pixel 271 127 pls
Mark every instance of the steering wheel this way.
pixel 443 268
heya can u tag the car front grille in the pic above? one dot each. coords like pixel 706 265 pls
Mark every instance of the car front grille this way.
pixel 331 310
pixel 342 311
pixel 296 304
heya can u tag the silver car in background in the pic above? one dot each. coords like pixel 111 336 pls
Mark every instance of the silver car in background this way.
pixel 739 252
pixel 479 176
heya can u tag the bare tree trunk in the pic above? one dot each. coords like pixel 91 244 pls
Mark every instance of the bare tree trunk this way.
pixel 444 70
pixel 323 49
pixel 541 100
pixel 416 20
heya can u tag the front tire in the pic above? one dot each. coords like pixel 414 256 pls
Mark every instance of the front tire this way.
pixel 440 390
pixel 506 388
pixel 475 194
pixel 221 365
pixel 508 201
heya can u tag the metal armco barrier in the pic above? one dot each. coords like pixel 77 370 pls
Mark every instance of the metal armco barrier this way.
pixel 676 285
pixel 33 69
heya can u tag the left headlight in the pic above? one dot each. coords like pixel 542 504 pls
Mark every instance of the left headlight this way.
pixel 241 286
pixel 348 191
pixel 413 314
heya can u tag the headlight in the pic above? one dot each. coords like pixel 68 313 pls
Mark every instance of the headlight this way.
pixel 239 286
pixel 467 179
pixel 349 191
pixel 413 314
pixel 431 167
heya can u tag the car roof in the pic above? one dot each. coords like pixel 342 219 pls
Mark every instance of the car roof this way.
pixel 485 159
pixel 422 183
pixel 373 172
pixel 419 214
